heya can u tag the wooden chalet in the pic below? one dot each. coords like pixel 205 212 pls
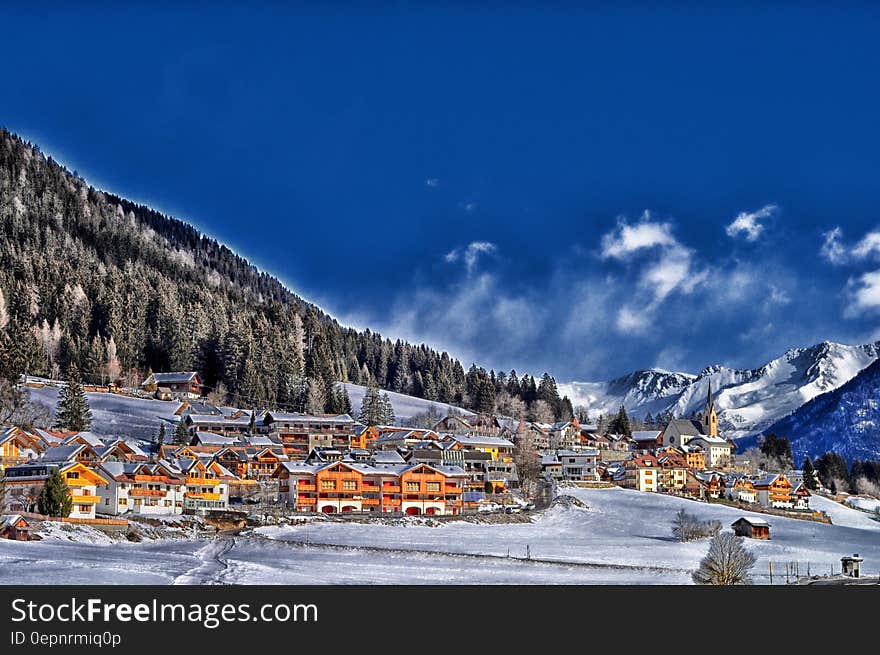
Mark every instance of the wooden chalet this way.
pixel 15 527
pixel 752 528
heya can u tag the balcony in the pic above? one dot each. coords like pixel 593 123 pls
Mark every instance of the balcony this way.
pixel 191 495
pixel 147 493
pixel 305 487
pixel 370 501
pixel 452 490
pixel 391 489
pixel 213 482
pixel 84 499
pixel 306 501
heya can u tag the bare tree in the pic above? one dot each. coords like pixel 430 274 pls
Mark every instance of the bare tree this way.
pixel 542 412
pixel 728 562
pixel 511 406
pixel 867 487
pixel 219 396
pixel 528 463
pixel 687 527
pixel 16 408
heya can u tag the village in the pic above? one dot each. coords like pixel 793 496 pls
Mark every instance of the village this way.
pixel 221 462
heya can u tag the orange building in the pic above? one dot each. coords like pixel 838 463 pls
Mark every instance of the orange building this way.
pixel 345 486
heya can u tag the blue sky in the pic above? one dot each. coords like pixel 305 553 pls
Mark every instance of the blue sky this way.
pixel 585 191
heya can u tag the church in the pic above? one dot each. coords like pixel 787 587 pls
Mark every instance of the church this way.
pixel 702 432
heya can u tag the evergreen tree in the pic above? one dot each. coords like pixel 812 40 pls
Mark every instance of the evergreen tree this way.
pixel 388 410
pixel 160 438
pixel 620 423
pixel 2 491
pixel 252 424
pixel 181 434
pixel 73 412
pixel 372 408
pixel 809 475
pixel 55 498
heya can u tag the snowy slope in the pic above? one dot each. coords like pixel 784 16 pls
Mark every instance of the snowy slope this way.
pixel 405 407
pixel 845 420
pixel 115 415
pixel 748 400
pixel 622 538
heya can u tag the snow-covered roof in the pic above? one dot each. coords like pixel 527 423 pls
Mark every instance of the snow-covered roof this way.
pixel 387 457
pixel 214 439
pixel 646 435
pixel 173 377
pixel 62 453
pixel 89 437
pixel 9 520
pixel 752 521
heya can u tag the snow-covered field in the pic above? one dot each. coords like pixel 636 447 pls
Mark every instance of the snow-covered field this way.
pixel 864 503
pixel 622 538
pixel 405 407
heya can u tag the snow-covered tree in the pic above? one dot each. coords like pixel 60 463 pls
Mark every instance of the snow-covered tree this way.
pixel 73 412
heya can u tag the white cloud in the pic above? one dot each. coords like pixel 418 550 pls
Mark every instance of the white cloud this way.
pixel 832 247
pixel 631 321
pixel 628 239
pixel 749 224
pixel 432 182
pixel 864 294
pixel 471 253
pixel 869 245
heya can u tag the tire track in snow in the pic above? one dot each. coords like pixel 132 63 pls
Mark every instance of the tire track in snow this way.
pixel 213 563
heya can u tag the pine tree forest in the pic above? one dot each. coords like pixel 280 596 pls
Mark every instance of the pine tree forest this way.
pixel 116 289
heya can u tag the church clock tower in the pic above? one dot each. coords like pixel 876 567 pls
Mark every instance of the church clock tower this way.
pixel 710 416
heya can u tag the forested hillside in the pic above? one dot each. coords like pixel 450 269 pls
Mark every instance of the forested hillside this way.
pixel 119 289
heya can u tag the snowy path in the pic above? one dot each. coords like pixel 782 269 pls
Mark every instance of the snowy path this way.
pixel 212 563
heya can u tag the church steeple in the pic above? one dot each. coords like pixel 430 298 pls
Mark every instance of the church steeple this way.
pixel 710 416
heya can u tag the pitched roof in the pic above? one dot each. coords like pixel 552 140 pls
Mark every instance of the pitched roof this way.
pixel 173 377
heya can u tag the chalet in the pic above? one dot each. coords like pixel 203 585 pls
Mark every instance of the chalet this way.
pixel 213 439
pixel 673 473
pixel 646 439
pixel 186 384
pixel 73 452
pixel 753 528
pixel 392 439
pixel 579 466
pixel 299 434
pixel 642 472
pixel 25 481
pixel 341 487
pixel 15 527
pixel 551 467
pixel 236 425
pixel 139 488
pixel 500 449
pixel 17 447
pixel 695 457
pixel 718 451
pixel 741 488
pixel 207 484
pixel 565 435
pixel 713 483
pixel 453 424
pixel 122 451
pixel 84 438
pixel 774 490
pixel 800 496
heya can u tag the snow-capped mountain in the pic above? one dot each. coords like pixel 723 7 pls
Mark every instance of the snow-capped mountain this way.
pixel 748 400
pixel 845 420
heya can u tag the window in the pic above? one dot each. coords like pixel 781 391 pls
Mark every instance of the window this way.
pixel 123 501
pixel 328 485
pixel 349 485
pixel 412 486
pixel 84 509
pixel 433 486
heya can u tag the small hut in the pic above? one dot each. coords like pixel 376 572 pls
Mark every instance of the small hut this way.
pixel 14 526
pixel 849 566
pixel 751 527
